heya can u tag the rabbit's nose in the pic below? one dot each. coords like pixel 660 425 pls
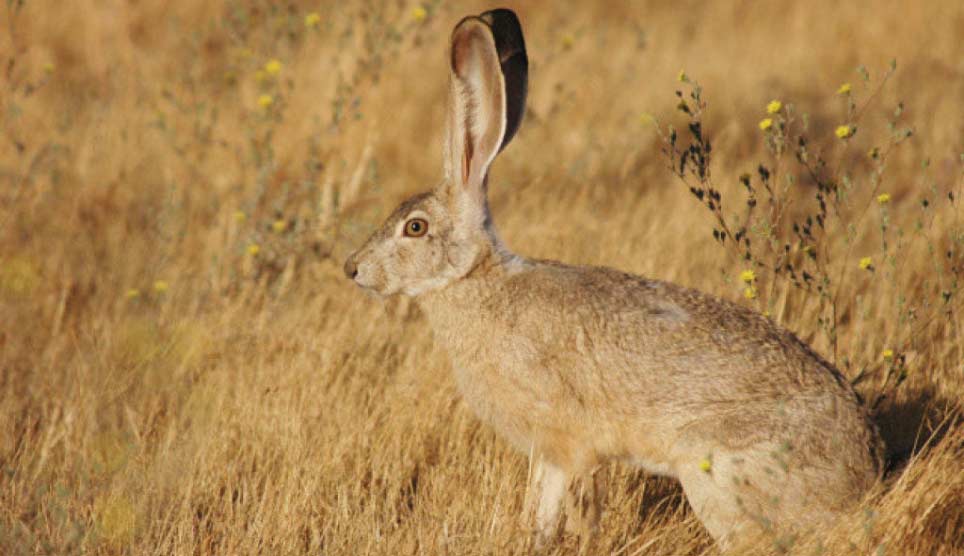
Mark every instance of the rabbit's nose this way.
pixel 351 268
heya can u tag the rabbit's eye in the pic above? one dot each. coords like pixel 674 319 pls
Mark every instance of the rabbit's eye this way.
pixel 416 227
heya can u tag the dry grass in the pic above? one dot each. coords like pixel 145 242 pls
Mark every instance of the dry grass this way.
pixel 261 404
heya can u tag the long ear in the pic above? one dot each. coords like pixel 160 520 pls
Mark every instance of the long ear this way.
pixel 477 116
pixel 511 46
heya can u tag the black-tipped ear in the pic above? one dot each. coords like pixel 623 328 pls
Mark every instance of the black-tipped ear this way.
pixel 511 47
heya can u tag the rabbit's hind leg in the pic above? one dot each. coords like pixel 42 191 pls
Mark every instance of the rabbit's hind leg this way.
pixel 714 502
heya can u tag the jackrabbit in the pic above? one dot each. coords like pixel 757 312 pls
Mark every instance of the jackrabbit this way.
pixel 582 365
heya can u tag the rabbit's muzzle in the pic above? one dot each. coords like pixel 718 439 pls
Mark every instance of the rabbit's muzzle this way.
pixel 362 268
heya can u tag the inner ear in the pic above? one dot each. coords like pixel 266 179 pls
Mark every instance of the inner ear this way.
pixel 466 158
pixel 478 103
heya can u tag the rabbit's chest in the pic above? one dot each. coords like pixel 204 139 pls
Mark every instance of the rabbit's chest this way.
pixel 502 383
pixel 497 400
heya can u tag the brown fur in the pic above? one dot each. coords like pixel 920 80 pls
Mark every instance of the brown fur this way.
pixel 583 365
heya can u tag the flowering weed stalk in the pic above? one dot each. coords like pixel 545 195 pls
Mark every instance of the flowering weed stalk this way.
pixel 806 193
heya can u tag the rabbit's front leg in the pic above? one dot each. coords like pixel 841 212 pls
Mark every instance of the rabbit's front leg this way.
pixel 585 502
pixel 548 484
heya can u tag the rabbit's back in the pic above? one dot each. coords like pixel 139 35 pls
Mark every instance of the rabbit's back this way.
pixel 618 332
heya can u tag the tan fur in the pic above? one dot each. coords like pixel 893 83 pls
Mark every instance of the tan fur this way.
pixel 584 365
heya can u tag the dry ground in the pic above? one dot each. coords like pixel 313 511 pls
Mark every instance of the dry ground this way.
pixel 184 370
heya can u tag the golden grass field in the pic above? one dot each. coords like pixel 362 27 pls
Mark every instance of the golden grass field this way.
pixel 185 370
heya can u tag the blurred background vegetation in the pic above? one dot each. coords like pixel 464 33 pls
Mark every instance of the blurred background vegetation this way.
pixel 184 370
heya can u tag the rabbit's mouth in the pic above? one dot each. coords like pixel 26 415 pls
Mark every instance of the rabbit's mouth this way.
pixel 367 286
pixel 370 291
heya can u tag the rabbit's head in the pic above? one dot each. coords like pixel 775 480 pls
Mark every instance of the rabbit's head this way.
pixel 437 237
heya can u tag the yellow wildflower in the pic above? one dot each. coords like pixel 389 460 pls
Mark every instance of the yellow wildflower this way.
pixel 254 249
pixel 240 216
pixel 888 354
pixel 419 13
pixel 312 20
pixel 774 106
pixel 279 226
pixel 682 77
pixel 160 286
pixel 845 131
pixel 866 263
pixel 265 101
pixel 766 123
pixel 749 292
pixel 132 293
pixel 883 198
pixel 706 465
pixel 48 68
pixel 747 276
pixel 844 89
pixel 273 67
pixel 568 40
